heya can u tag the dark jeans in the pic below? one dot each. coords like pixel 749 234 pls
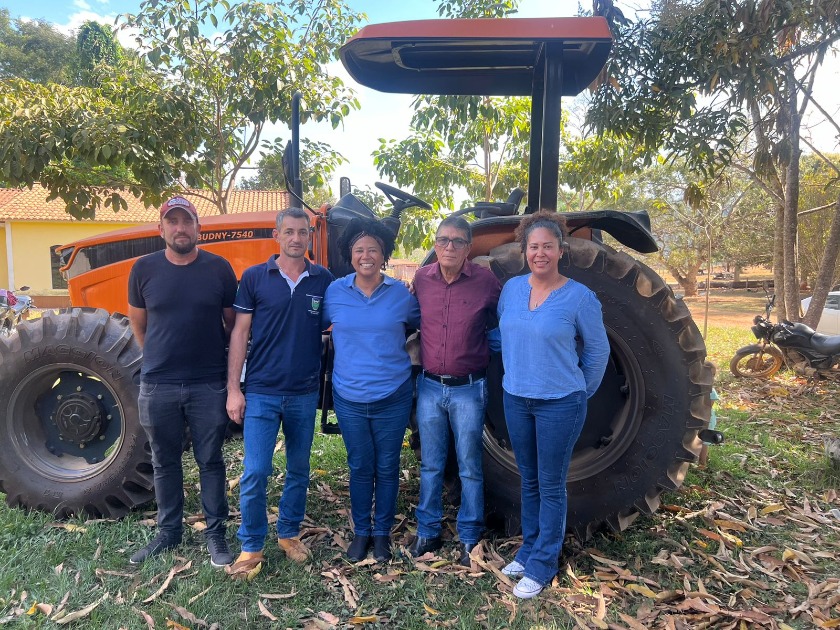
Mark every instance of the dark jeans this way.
pixel 543 435
pixel 373 434
pixel 165 411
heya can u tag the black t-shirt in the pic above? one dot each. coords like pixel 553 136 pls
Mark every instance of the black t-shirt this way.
pixel 185 338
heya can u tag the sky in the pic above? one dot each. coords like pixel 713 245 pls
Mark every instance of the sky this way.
pixel 381 115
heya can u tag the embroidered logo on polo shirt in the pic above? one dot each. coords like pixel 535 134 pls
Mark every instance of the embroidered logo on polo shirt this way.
pixel 314 303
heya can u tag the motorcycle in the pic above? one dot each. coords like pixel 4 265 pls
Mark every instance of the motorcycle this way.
pixel 806 352
pixel 13 309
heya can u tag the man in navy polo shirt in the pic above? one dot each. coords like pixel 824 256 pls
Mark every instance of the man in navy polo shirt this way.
pixel 279 304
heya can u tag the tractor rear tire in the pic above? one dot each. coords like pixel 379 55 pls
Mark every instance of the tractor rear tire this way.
pixel 70 436
pixel 641 429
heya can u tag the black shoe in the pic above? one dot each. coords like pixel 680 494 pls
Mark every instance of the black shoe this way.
pixel 358 548
pixel 464 561
pixel 382 548
pixel 220 555
pixel 422 545
pixel 160 543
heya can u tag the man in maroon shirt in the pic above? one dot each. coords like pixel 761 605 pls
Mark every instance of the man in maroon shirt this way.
pixel 457 306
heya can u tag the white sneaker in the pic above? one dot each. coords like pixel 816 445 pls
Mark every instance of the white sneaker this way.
pixel 514 569
pixel 527 588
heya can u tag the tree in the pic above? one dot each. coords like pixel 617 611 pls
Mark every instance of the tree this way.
pixel 96 45
pixel 692 216
pixel 698 79
pixel 71 139
pixel 35 51
pixel 224 88
pixel 245 76
pixel 318 162
pixel 819 189
pixel 479 144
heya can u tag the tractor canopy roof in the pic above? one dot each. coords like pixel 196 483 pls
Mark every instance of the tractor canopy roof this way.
pixel 476 56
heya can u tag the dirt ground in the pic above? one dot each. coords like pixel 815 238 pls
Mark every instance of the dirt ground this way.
pixel 727 307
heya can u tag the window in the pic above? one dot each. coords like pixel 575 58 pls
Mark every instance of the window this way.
pixel 58 281
pixel 833 302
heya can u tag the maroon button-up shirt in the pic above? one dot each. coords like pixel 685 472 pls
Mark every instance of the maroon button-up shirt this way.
pixel 454 318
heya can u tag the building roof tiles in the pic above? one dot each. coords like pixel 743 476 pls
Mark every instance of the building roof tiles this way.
pixel 32 205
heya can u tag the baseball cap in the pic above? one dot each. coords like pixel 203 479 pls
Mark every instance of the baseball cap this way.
pixel 178 202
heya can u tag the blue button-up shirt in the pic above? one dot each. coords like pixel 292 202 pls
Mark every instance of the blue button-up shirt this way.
pixel 369 336
pixel 559 348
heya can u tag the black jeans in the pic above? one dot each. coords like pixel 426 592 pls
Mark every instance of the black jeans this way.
pixel 165 411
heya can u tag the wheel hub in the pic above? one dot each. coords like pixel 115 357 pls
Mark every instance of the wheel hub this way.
pixel 79 418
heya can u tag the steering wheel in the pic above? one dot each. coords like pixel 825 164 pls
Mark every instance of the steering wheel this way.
pixel 405 200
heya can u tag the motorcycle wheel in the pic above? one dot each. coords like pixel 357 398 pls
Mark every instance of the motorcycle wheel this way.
pixel 762 364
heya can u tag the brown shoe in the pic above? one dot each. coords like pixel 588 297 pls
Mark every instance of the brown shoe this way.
pixel 247 565
pixel 294 548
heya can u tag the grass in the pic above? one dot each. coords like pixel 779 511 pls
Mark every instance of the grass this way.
pixel 750 534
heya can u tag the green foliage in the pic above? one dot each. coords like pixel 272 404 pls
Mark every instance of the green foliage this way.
pixel 35 51
pixel 318 161
pixel 71 139
pixel 95 46
pixel 687 211
pixel 191 108
pixel 476 8
pixel 819 186
pixel 680 79
pixel 244 76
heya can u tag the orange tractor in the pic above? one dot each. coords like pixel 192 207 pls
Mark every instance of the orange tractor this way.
pixel 70 439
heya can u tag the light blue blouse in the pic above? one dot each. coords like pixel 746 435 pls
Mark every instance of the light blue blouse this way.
pixel 369 336
pixel 559 348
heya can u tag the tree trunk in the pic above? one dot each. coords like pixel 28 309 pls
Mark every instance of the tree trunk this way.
pixel 791 289
pixel 825 275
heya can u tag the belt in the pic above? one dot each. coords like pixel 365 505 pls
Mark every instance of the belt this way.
pixel 455 381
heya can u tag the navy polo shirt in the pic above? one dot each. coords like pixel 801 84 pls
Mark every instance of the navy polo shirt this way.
pixel 285 355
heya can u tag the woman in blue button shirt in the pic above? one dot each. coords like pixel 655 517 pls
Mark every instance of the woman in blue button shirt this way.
pixel 554 351
pixel 371 379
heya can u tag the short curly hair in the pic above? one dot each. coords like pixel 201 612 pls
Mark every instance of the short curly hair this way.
pixel 551 221
pixel 359 227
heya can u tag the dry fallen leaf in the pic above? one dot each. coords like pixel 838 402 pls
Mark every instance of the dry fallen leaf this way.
pixel 150 623
pixel 363 620
pixel 265 612
pixel 278 595
pixel 430 610
pixel 329 618
pixel 78 614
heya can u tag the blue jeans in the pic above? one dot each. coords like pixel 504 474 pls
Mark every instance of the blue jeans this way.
pixel 165 412
pixel 373 434
pixel 264 415
pixel 543 434
pixel 440 407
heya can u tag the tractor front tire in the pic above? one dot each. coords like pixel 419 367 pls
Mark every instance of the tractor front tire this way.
pixel 70 435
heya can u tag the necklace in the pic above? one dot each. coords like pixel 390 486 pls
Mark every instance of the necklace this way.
pixel 538 296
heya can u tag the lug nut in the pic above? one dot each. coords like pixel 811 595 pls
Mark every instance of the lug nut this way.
pixel 79 388
pixel 99 396
pixel 58 397
pixel 101 437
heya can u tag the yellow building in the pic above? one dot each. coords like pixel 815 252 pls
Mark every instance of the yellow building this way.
pixel 32 227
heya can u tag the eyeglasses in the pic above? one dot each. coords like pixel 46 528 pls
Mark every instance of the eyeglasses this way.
pixel 444 241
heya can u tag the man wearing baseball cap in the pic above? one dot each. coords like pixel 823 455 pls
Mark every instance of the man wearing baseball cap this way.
pixel 181 311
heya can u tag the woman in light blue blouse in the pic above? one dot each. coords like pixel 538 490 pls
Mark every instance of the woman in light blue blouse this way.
pixel 554 351
pixel 371 380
